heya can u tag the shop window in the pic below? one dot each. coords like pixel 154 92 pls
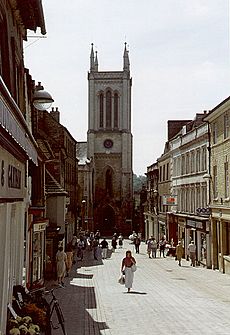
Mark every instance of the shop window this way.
pixel 37 256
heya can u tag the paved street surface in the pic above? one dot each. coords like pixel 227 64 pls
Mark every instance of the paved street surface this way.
pixel 165 299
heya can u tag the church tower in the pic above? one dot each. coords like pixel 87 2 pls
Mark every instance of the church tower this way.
pixel 109 141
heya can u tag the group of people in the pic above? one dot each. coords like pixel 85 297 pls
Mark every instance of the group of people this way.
pixel 153 245
pixel 75 251
pixel 191 253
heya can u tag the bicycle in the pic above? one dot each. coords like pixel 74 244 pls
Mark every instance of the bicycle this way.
pixel 55 307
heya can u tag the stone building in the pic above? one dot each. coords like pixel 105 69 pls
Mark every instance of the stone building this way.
pixel 58 148
pixel 109 141
pixel 17 145
pixel 218 180
pixel 189 164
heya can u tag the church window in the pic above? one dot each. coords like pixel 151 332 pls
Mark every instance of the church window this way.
pixel 101 106
pixel 115 110
pixel 108 183
pixel 108 109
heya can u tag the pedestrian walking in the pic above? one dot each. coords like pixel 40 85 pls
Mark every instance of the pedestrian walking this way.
pixel 179 252
pixel 80 248
pixel 154 248
pixel 69 258
pixel 162 245
pixel 126 268
pixel 120 240
pixel 97 235
pixel 104 246
pixel 137 242
pixel 95 245
pixel 61 265
pixel 114 242
pixel 192 253
pixel 149 246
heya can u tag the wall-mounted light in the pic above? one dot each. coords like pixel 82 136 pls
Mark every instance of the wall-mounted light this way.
pixel 42 100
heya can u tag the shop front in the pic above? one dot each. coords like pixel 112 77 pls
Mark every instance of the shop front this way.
pixel 37 253
pixel 196 228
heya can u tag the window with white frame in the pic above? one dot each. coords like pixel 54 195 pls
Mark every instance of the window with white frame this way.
pixel 204 158
pixel 187 163
pixel 178 166
pixel 226 125
pixel 198 204
pixel 183 165
pixel 197 160
pixel 192 156
pixel 192 200
pixel 226 180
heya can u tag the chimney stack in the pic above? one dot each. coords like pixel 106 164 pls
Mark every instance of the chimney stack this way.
pixel 55 114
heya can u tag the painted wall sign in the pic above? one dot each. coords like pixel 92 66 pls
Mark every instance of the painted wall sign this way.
pixel 12 176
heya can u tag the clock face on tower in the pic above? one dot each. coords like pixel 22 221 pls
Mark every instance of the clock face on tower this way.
pixel 108 143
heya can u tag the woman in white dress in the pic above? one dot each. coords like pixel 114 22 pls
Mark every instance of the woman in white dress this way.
pixel 61 259
pixel 126 265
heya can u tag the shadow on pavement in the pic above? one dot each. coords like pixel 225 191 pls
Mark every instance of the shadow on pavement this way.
pixel 82 275
pixel 135 292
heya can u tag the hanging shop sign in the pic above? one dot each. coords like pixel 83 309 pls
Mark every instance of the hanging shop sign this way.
pixel 196 224
pixel 169 200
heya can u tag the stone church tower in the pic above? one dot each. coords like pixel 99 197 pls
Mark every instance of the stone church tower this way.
pixel 109 142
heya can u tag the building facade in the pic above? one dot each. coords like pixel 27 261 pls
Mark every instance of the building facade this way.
pixel 189 151
pixel 17 145
pixel 109 141
pixel 218 181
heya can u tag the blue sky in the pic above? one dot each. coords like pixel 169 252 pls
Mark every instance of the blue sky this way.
pixel 179 58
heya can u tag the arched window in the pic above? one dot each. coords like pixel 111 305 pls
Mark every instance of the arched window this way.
pixel 115 110
pixel 101 107
pixel 108 109
pixel 108 182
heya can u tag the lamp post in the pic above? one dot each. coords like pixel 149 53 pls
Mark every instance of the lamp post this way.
pixel 42 100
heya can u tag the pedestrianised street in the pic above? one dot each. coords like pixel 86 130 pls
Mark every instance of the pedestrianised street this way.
pixel 165 298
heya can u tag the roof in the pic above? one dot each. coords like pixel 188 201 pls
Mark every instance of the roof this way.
pixel 32 14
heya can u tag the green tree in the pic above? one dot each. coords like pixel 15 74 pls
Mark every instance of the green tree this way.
pixel 138 182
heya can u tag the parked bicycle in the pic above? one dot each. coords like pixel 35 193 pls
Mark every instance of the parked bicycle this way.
pixel 55 308
pixel 24 299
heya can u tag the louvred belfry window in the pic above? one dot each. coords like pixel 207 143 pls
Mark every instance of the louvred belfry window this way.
pixel 115 110
pixel 108 109
pixel 101 104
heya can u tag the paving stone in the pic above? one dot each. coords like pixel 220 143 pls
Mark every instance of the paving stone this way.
pixel 165 299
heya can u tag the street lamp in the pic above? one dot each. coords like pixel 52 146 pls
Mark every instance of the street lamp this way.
pixel 42 100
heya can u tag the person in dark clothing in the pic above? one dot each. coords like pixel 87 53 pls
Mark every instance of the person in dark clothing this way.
pixel 114 242
pixel 137 242
pixel 162 245
pixel 95 245
pixel 104 246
